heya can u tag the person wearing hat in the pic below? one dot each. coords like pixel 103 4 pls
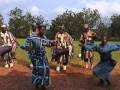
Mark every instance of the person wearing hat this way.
pixel 9 40
pixel 35 45
pixel 88 37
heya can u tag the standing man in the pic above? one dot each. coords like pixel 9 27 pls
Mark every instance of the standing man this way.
pixel 63 36
pixel 9 40
pixel 88 37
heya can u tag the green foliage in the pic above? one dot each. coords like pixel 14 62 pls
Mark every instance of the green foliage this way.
pixel 74 22
pixel 115 26
pixel 21 24
pixel 1 19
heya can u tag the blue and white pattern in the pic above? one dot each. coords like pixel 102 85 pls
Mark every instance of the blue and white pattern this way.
pixel 36 50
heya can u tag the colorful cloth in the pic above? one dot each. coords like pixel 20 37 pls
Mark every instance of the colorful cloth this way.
pixel 8 38
pixel 62 50
pixel 36 49
pixel 89 46
pixel 105 66
pixel 87 43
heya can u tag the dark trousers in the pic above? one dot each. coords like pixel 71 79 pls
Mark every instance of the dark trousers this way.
pixel 66 56
pixel 61 53
pixel 82 52
pixel 5 52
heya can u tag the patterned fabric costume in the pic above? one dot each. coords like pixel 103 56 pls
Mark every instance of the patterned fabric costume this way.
pixel 5 47
pixel 106 64
pixel 86 38
pixel 10 40
pixel 62 48
pixel 70 45
pixel 36 49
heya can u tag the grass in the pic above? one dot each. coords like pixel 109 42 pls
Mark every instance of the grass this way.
pixel 22 56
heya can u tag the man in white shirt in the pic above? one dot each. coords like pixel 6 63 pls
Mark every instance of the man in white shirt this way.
pixel 9 40
pixel 63 36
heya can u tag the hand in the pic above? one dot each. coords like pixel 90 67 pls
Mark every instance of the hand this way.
pixel 53 42
pixel 22 47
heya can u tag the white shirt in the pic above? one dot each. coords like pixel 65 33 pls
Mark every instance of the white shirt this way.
pixel 61 36
pixel 7 38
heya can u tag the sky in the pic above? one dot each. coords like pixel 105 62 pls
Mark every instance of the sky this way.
pixel 49 9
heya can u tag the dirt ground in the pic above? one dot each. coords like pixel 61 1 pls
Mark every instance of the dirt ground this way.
pixel 75 78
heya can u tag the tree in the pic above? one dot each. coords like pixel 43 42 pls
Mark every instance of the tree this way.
pixel 102 27
pixel 115 26
pixel 23 23
pixel 91 16
pixel 16 22
pixel 1 19
pixel 74 22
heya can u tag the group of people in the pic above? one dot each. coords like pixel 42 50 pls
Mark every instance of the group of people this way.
pixel 8 46
pixel 63 44
pixel 106 64
pixel 62 52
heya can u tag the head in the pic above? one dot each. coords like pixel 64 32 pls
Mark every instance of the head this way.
pixel 40 30
pixel 104 39
pixel 4 28
pixel 33 28
pixel 86 28
pixel 62 29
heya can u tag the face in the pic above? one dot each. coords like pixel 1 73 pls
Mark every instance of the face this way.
pixel 61 31
pixel 4 30
pixel 104 40
pixel 86 28
pixel 42 31
pixel 37 31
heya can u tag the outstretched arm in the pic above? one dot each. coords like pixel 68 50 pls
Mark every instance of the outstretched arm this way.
pixel 114 47
pixel 28 45
pixel 48 43
pixel 91 47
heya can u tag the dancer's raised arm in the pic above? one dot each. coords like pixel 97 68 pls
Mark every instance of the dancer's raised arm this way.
pixel 28 45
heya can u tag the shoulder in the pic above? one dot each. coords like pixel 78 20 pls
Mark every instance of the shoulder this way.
pixel 57 33
pixel 93 32
pixel 66 33
pixel 33 34
pixel 8 32
pixel 44 37
pixel 31 37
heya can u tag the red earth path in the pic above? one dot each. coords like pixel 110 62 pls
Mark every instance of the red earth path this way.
pixel 76 78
